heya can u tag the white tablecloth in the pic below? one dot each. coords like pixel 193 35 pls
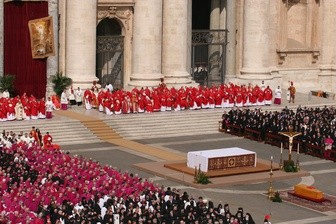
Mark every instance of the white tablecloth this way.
pixel 196 158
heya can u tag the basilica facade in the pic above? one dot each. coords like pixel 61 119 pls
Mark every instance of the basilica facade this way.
pixel 137 43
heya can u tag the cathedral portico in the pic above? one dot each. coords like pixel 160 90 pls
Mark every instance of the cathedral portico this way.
pixel 272 40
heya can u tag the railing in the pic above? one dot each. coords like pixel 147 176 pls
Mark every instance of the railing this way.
pixel 315 150
pixel 273 139
pixel 252 134
pixel 234 130
pixel 332 155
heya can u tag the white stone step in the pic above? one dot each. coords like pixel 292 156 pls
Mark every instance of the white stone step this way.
pixel 63 132
pixel 79 141
pixel 166 119
pixel 139 118
pixel 165 127
pixel 131 126
pixel 160 125
pixel 166 124
pixel 73 138
pixel 166 135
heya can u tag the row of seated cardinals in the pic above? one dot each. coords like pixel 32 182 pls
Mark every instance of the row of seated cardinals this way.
pixel 166 99
pixel 22 108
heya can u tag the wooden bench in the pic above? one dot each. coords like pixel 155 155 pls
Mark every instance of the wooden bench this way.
pixel 323 94
pixel 330 95
pixel 315 150
pixel 332 155
pixel 273 139
pixel 252 134
pixel 316 93
pixel 234 130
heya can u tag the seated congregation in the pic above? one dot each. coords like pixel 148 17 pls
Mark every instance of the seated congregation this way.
pixel 317 127
pixel 48 185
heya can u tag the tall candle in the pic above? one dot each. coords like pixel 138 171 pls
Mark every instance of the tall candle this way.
pixel 281 148
pixel 298 149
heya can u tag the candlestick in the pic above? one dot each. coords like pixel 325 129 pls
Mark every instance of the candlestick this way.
pixel 281 148
pixel 298 149
pixel 270 188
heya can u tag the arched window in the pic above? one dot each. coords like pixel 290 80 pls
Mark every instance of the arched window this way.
pixel 108 27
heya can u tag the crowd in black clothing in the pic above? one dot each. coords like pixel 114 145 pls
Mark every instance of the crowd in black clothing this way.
pixel 315 124
pixel 50 186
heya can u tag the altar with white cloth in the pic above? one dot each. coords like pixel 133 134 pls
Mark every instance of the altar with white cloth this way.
pixel 219 159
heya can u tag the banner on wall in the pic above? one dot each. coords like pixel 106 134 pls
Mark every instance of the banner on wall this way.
pixel 42 37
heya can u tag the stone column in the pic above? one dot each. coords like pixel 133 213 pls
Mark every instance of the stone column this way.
pixel 274 19
pixel 52 62
pixel 256 40
pixel 215 14
pixel 327 75
pixel 175 42
pixel 2 37
pixel 61 35
pixel 147 41
pixel 231 38
pixel 189 37
pixel 80 35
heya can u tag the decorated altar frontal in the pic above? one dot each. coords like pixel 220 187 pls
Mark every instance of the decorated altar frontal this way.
pixel 219 159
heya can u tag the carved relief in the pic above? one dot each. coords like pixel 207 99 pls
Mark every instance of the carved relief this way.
pixel 124 14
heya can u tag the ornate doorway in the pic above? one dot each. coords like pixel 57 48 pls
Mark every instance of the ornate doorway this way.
pixel 209 56
pixel 110 53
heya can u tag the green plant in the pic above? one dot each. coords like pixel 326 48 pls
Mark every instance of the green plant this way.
pixel 290 167
pixel 7 83
pixel 60 82
pixel 201 177
pixel 277 197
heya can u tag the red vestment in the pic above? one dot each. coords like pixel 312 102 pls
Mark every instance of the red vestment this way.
pixel 34 108
pixel 47 141
pixel 156 102
pixel 42 107
pixel 268 94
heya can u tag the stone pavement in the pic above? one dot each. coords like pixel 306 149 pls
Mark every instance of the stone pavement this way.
pixel 251 196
